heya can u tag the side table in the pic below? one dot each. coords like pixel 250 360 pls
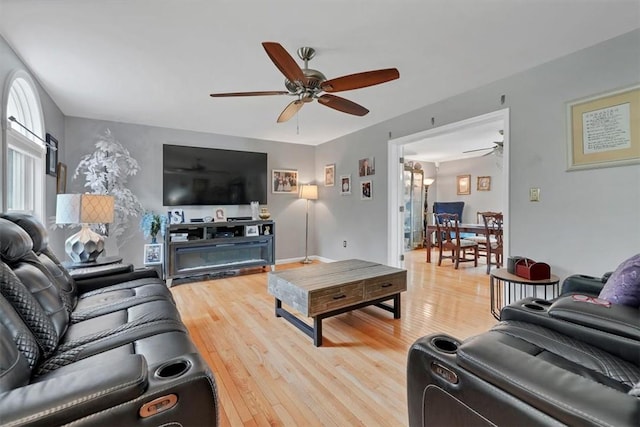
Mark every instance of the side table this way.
pixel 101 267
pixel 507 288
pixel 71 265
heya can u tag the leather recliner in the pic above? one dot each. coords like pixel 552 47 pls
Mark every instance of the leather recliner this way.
pixel 571 361
pixel 115 355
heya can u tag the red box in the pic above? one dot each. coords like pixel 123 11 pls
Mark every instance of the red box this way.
pixel 529 269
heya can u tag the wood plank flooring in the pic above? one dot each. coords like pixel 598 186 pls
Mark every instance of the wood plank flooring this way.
pixel 269 373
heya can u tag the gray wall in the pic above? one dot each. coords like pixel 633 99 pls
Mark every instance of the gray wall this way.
pixel 53 120
pixel 446 185
pixel 571 227
pixel 145 145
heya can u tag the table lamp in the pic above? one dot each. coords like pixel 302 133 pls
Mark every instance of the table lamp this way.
pixel 86 245
pixel 308 192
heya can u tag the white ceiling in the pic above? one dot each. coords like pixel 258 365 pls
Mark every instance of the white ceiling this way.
pixel 155 62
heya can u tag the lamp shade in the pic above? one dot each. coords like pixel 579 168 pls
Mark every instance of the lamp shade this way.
pixel 84 209
pixel 309 192
pixel 428 181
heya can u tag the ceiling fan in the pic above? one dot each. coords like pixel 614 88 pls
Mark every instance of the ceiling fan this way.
pixel 497 148
pixel 307 84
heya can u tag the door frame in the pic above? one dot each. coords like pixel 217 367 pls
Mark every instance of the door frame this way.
pixel 395 150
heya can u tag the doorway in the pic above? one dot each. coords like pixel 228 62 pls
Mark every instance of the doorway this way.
pixel 396 155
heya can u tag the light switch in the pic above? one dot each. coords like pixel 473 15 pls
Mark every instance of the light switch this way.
pixel 534 194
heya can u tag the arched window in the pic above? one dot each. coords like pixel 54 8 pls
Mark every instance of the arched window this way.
pixel 25 153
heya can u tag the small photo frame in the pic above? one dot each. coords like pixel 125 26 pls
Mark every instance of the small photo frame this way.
pixel 366 190
pixel 284 181
pixel 176 216
pixel 484 183
pixel 330 175
pixel 153 254
pixel 251 230
pixel 345 185
pixel 52 155
pixel 366 166
pixel 464 184
pixel 220 215
pixel 61 181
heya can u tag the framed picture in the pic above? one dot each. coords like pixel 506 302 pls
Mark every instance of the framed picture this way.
pixel 61 182
pixel 345 184
pixel 285 181
pixel 220 216
pixel 464 184
pixel 330 175
pixel 366 190
pixel 52 155
pixel 367 167
pixel 484 183
pixel 176 216
pixel 251 230
pixel 604 130
pixel 153 254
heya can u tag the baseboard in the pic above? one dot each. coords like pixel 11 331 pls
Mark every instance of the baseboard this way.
pixel 292 260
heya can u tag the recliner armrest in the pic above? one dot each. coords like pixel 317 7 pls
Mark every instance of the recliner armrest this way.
pixel 614 329
pixel 613 318
pixel 583 284
pixel 65 398
pixel 93 283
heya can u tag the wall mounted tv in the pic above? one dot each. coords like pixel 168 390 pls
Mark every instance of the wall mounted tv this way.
pixel 208 176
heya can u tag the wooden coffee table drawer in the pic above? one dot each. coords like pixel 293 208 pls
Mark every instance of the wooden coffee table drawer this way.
pixel 384 285
pixel 336 297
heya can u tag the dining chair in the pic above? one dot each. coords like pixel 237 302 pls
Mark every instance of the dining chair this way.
pixel 448 232
pixel 493 238
pixel 481 238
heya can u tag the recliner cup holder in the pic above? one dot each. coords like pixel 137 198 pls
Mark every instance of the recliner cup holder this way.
pixel 445 344
pixel 542 302
pixel 534 307
pixel 173 369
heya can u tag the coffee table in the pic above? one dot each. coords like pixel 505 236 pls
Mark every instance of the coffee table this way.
pixel 324 290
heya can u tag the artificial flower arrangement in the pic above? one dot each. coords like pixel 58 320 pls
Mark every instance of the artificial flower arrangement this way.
pixel 151 224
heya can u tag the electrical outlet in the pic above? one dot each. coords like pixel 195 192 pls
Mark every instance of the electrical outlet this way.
pixel 344 243
pixel 534 194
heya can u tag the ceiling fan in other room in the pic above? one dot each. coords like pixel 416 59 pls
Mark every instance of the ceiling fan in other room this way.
pixel 307 84
pixel 497 148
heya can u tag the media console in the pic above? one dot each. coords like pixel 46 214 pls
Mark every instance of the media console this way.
pixel 207 247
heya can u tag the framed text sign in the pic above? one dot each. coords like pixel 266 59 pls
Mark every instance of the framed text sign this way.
pixel 604 130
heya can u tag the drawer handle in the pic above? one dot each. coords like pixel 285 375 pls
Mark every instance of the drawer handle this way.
pixel 386 285
pixel 340 296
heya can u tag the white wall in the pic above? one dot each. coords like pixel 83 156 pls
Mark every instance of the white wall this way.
pixel 570 228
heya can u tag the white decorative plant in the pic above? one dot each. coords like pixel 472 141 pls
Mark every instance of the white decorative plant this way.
pixel 106 171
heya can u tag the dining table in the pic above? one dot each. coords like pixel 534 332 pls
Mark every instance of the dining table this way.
pixel 478 229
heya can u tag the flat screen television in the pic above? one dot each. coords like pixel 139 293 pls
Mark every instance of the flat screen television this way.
pixel 209 176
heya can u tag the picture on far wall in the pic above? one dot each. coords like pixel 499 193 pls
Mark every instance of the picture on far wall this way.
pixel 464 184
pixel 366 190
pixel 284 181
pixel 52 155
pixel 367 166
pixel 61 183
pixel 153 254
pixel 330 175
pixel 484 183
pixel 345 184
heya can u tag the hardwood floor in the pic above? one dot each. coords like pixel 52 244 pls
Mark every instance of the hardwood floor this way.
pixel 269 373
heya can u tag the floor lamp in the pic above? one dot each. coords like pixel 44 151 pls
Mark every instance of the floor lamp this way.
pixel 308 192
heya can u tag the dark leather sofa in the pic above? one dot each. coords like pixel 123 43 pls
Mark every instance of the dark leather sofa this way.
pixel 563 362
pixel 117 354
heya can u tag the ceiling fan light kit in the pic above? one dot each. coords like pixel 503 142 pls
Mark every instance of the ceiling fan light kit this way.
pixel 308 84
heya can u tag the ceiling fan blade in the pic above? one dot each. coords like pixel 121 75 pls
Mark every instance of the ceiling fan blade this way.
pixel 290 110
pixel 342 104
pixel 285 63
pixel 360 80
pixel 262 93
pixel 478 149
